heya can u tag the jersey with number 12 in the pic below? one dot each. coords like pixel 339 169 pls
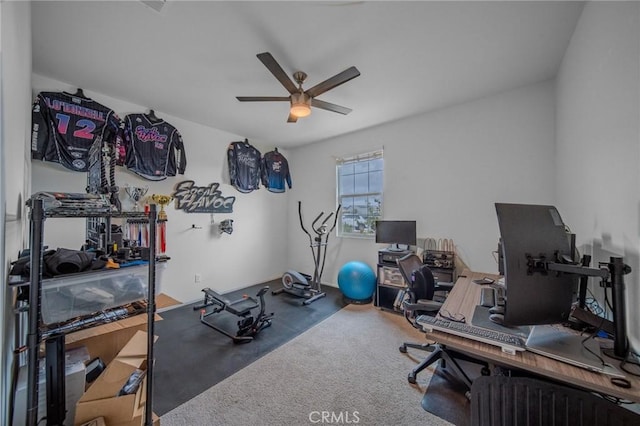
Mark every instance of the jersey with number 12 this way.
pixel 65 126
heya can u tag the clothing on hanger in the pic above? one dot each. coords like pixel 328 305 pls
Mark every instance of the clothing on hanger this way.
pixel 154 149
pixel 275 171
pixel 245 164
pixel 65 127
pixel 152 116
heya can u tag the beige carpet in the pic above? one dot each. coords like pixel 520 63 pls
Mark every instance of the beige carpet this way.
pixel 345 370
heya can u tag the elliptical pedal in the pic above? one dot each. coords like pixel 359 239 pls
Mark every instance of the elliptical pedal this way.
pixel 301 286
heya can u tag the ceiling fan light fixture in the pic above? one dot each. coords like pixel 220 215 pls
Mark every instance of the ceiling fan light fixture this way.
pixel 300 105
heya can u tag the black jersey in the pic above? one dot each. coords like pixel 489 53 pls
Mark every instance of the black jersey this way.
pixel 244 166
pixel 154 149
pixel 65 126
pixel 275 172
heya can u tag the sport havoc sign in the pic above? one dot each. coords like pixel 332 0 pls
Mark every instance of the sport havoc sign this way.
pixel 201 199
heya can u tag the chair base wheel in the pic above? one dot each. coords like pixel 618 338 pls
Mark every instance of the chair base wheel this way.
pixel 403 349
pixel 411 378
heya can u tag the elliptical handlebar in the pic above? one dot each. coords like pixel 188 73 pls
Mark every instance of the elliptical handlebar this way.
pixel 301 222
pixel 313 224
pixel 335 219
pixel 322 229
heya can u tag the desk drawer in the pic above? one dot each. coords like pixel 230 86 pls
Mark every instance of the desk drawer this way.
pixel 388 275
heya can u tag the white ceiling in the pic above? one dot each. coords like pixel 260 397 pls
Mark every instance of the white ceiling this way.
pixel 192 59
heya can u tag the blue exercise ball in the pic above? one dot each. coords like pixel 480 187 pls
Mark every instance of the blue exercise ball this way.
pixel 357 281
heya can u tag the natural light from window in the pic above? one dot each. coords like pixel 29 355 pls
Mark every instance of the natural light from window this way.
pixel 359 193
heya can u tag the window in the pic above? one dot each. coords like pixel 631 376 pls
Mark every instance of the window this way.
pixel 359 193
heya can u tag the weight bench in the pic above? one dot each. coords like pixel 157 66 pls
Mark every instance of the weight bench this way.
pixel 248 327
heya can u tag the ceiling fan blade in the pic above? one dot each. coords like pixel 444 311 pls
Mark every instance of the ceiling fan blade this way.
pixel 335 81
pixel 277 71
pixel 262 98
pixel 292 118
pixel 330 107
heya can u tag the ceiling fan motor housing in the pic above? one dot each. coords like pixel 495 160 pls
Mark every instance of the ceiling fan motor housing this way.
pixel 300 98
pixel 300 104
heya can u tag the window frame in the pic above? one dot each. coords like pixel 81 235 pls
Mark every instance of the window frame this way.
pixel 366 220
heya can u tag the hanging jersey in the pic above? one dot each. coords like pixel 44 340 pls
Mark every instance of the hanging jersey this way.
pixel 275 172
pixel 65 126
pixel 154 149
pixel 244 166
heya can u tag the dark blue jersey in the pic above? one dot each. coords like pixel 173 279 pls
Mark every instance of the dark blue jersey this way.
pixel 275 172
pixel 244 166
pixel 154 149
pixel 65 126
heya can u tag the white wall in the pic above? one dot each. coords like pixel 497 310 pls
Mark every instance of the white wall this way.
pixel 15 50
pixel 253 253
pixel 445 169
pixel 598 140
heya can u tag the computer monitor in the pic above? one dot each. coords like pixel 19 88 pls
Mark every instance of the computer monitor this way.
pixel 531 235
pixel 396 232
pixel 541 275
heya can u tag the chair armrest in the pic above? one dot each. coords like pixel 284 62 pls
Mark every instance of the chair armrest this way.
pixel 443 286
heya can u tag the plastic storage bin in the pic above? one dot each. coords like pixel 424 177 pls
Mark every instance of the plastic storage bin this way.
pixel 391 276
pixel 71 296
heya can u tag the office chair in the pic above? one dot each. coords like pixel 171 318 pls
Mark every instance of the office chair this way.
pixel 421 288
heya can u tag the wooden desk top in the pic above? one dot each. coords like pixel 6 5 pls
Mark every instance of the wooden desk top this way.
pixel 463 299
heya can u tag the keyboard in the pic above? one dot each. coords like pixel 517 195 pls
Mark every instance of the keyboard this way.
pixel 507 342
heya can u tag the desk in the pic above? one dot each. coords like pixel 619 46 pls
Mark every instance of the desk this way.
pixel 463 299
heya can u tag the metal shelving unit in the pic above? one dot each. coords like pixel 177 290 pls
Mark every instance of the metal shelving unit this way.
pixel 35 337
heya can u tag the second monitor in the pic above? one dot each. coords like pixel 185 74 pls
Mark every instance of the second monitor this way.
pixel 396 233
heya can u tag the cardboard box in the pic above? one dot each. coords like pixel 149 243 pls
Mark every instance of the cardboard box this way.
pixel 139 421
pixel 101 399
pixel 106 340
pixel 95 422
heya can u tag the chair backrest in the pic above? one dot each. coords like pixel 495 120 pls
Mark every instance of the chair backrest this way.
pixel 418 276
pixel 500 400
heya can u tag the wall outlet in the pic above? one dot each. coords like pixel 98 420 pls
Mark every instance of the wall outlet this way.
pixel 198 278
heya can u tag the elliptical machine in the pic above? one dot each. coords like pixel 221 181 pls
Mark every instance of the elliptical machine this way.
pixel 304 285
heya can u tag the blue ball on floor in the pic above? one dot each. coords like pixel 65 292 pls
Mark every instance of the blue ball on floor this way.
pixel 357 281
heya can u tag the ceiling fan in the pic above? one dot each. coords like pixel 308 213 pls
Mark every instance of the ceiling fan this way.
pixel 302 100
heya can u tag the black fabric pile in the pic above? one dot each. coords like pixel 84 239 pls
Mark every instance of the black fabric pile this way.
pixel 60 262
